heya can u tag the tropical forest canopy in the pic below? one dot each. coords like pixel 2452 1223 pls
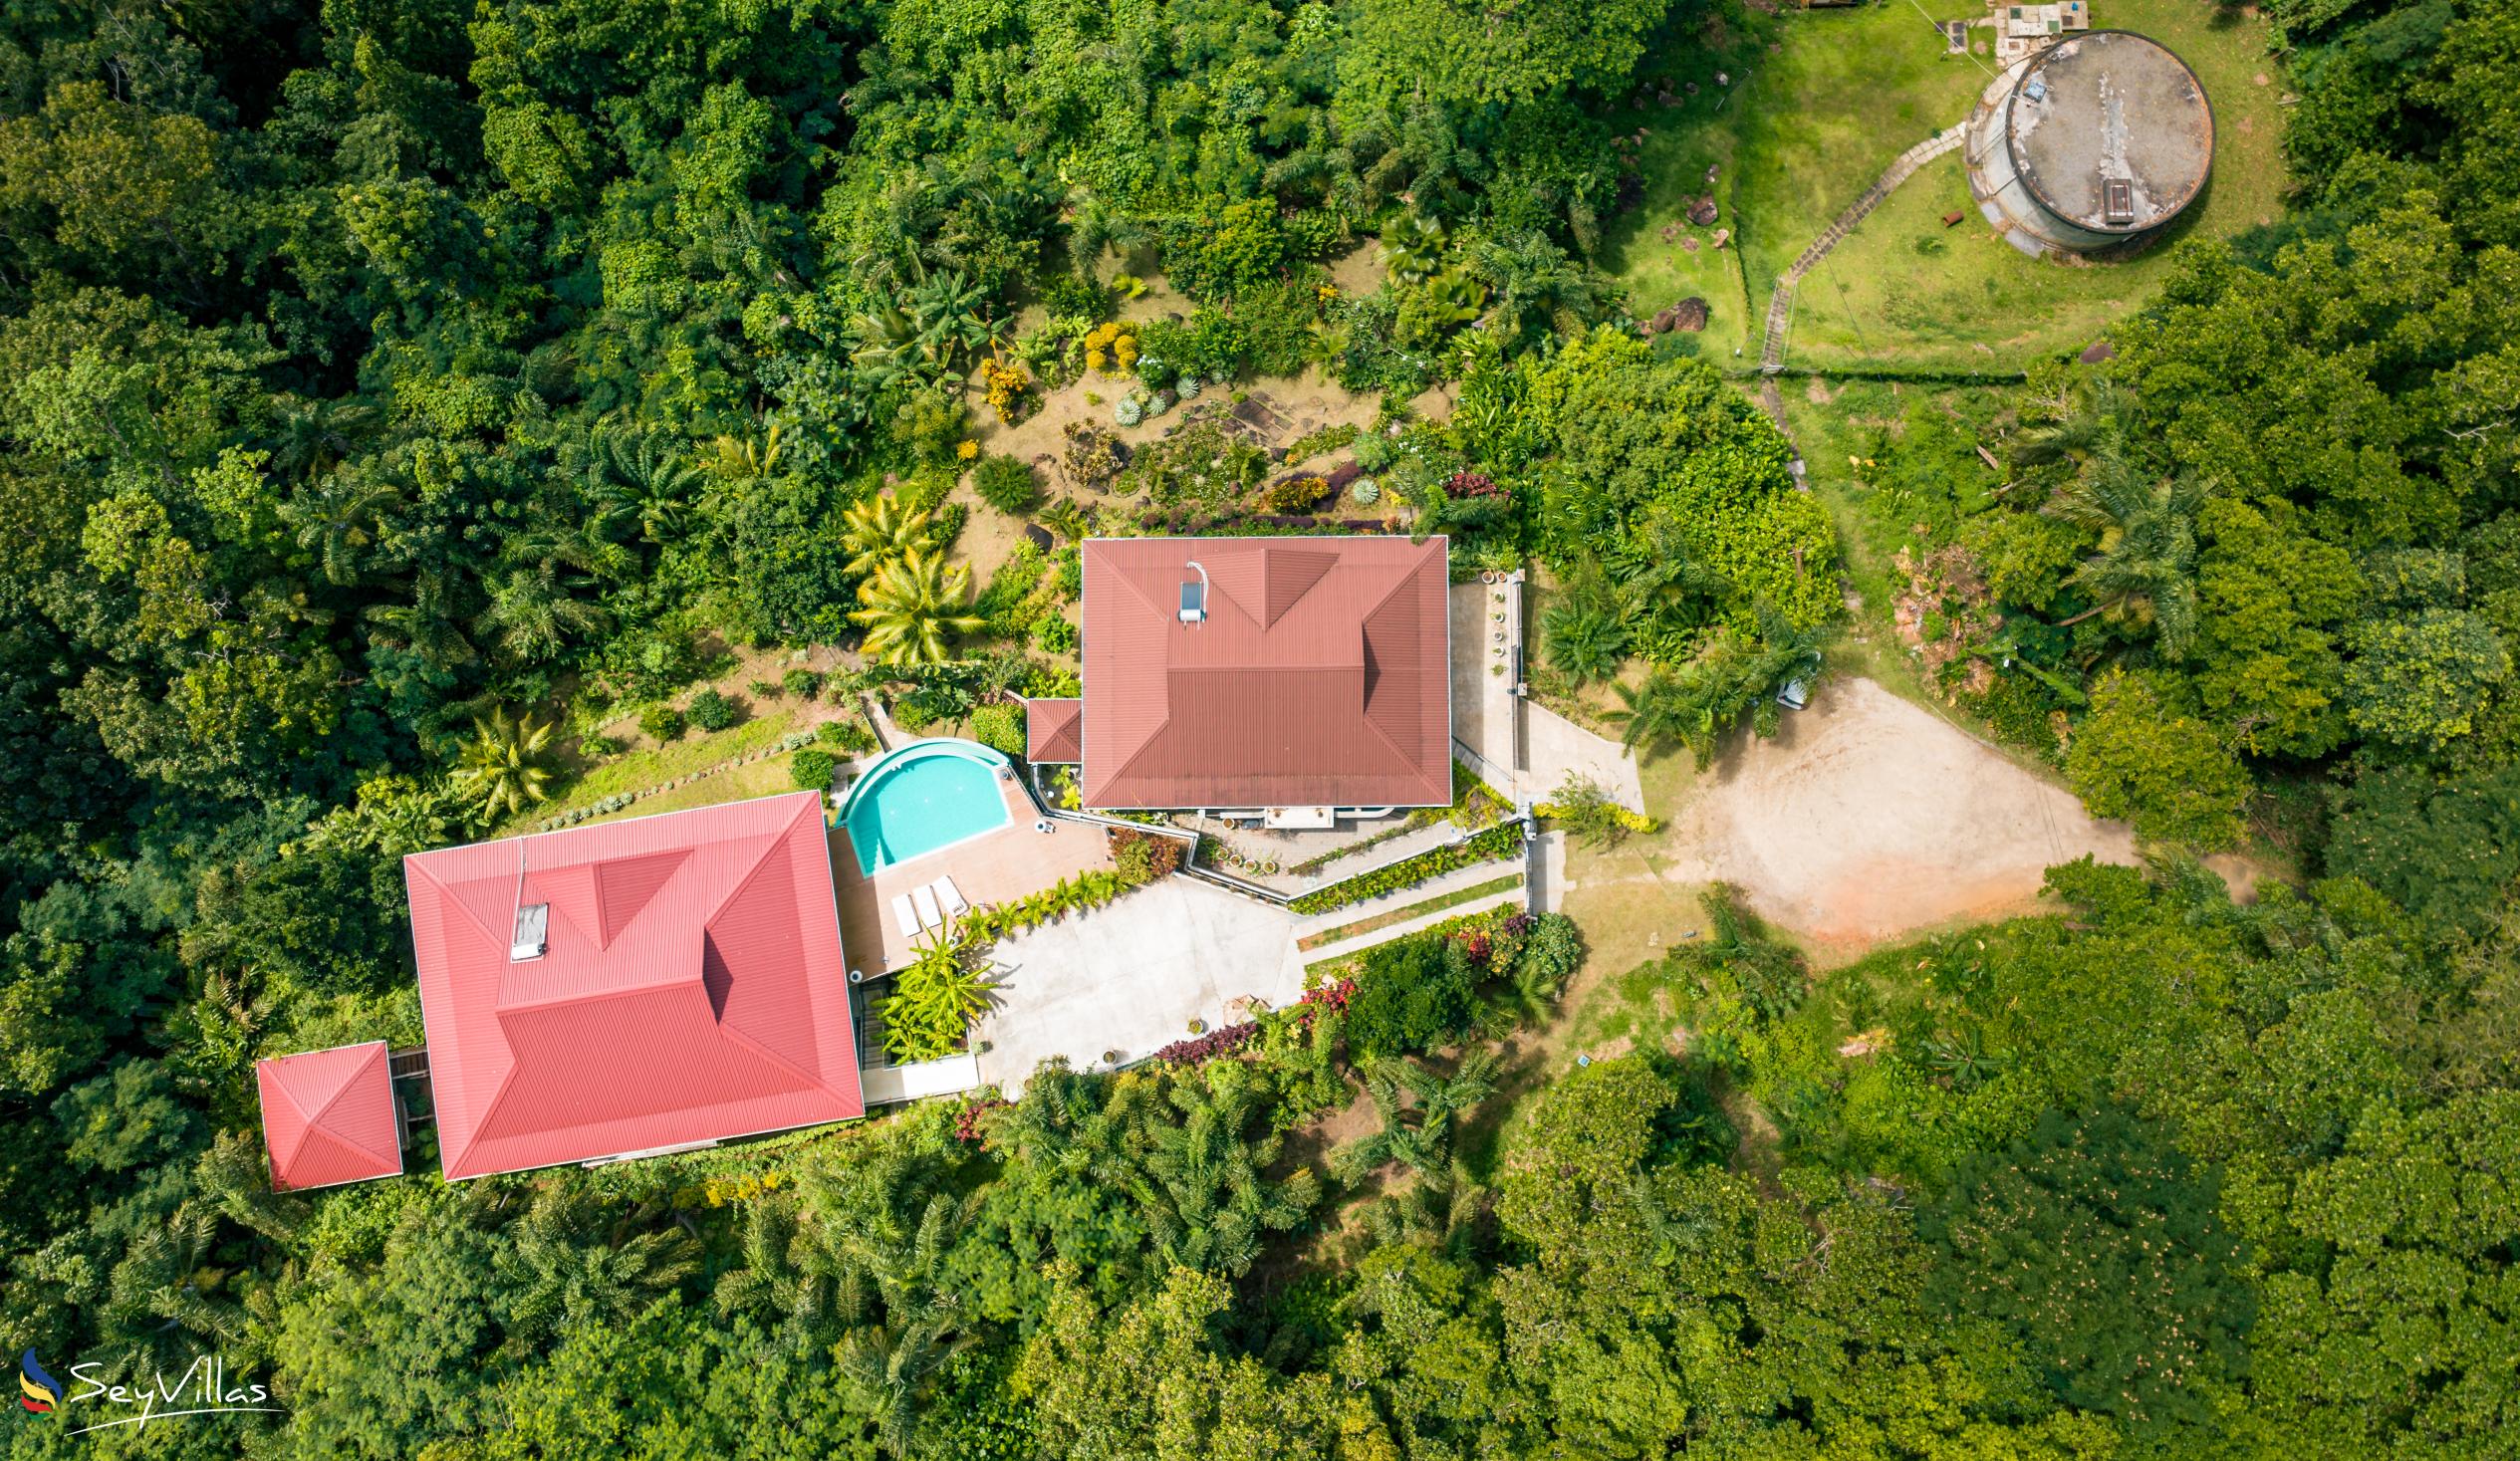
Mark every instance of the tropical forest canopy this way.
pixel 392 395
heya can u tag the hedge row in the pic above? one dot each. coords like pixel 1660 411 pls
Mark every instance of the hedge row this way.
pixel 1496 842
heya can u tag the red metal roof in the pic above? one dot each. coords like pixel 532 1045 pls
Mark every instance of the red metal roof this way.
pixel 1319 677
pixel 1054 734
pixel 692 988
pixel 328 1116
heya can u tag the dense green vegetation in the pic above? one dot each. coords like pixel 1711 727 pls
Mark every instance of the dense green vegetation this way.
pixel 400 399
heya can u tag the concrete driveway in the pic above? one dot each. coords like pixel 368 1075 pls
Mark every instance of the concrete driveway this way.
pixel 1131 977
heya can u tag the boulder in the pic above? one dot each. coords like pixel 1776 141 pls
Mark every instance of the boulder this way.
pixel 1689 314
pixel 1703 211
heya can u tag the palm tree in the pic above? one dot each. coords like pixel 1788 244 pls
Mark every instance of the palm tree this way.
pixel 1445 1099
pixel 936 999
pixel 641 482
pixel 789 1275
pixel 347 515
pixel 738 459
pixel 1198 1183
pixel 2086 429
pixel 1075 1124
pixel 1416 1134
pixel 426 625
pixel 2144 571
pixel 1656 711
pixel 310 436
pixel 158 1300
pixel 951 314
pixel 530 616
pixel 1096 229
pixel 561 1272
pixel 875 531
pixel 890 1369
pixel 1538 288
pixel 911 613
pixel 1584 640
pixel 501 767
pixel 1696 703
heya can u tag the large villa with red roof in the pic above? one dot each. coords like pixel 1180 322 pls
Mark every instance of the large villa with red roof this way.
pixel 1300 674
pixel 662 983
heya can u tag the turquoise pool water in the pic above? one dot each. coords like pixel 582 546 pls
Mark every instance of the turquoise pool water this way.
pixel 919 799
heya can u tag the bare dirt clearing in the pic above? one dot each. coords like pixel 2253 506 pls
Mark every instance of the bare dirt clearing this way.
pixel 1864 818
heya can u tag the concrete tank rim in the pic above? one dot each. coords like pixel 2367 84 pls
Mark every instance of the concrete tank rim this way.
pixel 2034 64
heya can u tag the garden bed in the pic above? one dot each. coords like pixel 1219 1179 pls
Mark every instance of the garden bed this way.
pixel 1454 899
pixel 1494 844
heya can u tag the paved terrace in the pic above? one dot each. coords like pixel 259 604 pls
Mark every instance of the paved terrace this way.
pixel 1524 750
pixel 994 868
pixel 1127 979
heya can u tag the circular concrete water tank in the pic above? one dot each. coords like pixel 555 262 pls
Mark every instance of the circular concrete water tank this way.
pixel 2093 144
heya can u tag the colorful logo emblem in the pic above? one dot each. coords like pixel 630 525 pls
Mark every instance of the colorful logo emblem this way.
pixel 37 1391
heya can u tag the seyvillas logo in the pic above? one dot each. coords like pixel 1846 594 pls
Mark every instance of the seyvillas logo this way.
pixel 37 1391
pixel 202 1389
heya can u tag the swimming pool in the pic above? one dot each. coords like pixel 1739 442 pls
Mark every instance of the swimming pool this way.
pixel 925 796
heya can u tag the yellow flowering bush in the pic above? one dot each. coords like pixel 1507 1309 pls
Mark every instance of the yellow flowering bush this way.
pixel 1112 348
pixel 1007 383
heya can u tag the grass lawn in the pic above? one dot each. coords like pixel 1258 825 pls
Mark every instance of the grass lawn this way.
pixel 1905 290
pixel 1797 136
pixel 1806 125
pixel 694 752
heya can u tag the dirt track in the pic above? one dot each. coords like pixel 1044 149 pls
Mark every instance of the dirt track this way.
pixel 1868 818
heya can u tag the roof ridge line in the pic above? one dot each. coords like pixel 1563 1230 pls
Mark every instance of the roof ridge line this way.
pixel 1407 575
pixel 446 895
pixel 812 1081
pixel 777 840
pixel 343 1090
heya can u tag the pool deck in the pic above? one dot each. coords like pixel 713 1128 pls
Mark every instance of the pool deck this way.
pixel 1010 863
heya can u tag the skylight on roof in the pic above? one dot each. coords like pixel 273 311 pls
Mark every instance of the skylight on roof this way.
pixel 533 934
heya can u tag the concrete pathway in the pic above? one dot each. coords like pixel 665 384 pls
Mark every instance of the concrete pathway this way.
pixel 1780 303
pixel 1524 750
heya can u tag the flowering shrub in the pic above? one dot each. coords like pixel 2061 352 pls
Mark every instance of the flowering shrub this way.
pixel 967 1119
pixel 1007 384
pixel 1000 727
pixel 1112 348
pixel 1333 997
pixel 850 735
pixel 1462 485
pixel 1144 857
pixel 1208 1047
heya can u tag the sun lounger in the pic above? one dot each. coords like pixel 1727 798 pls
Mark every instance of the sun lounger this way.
pixel 951 896
pixel 926 898
pixel 902 918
